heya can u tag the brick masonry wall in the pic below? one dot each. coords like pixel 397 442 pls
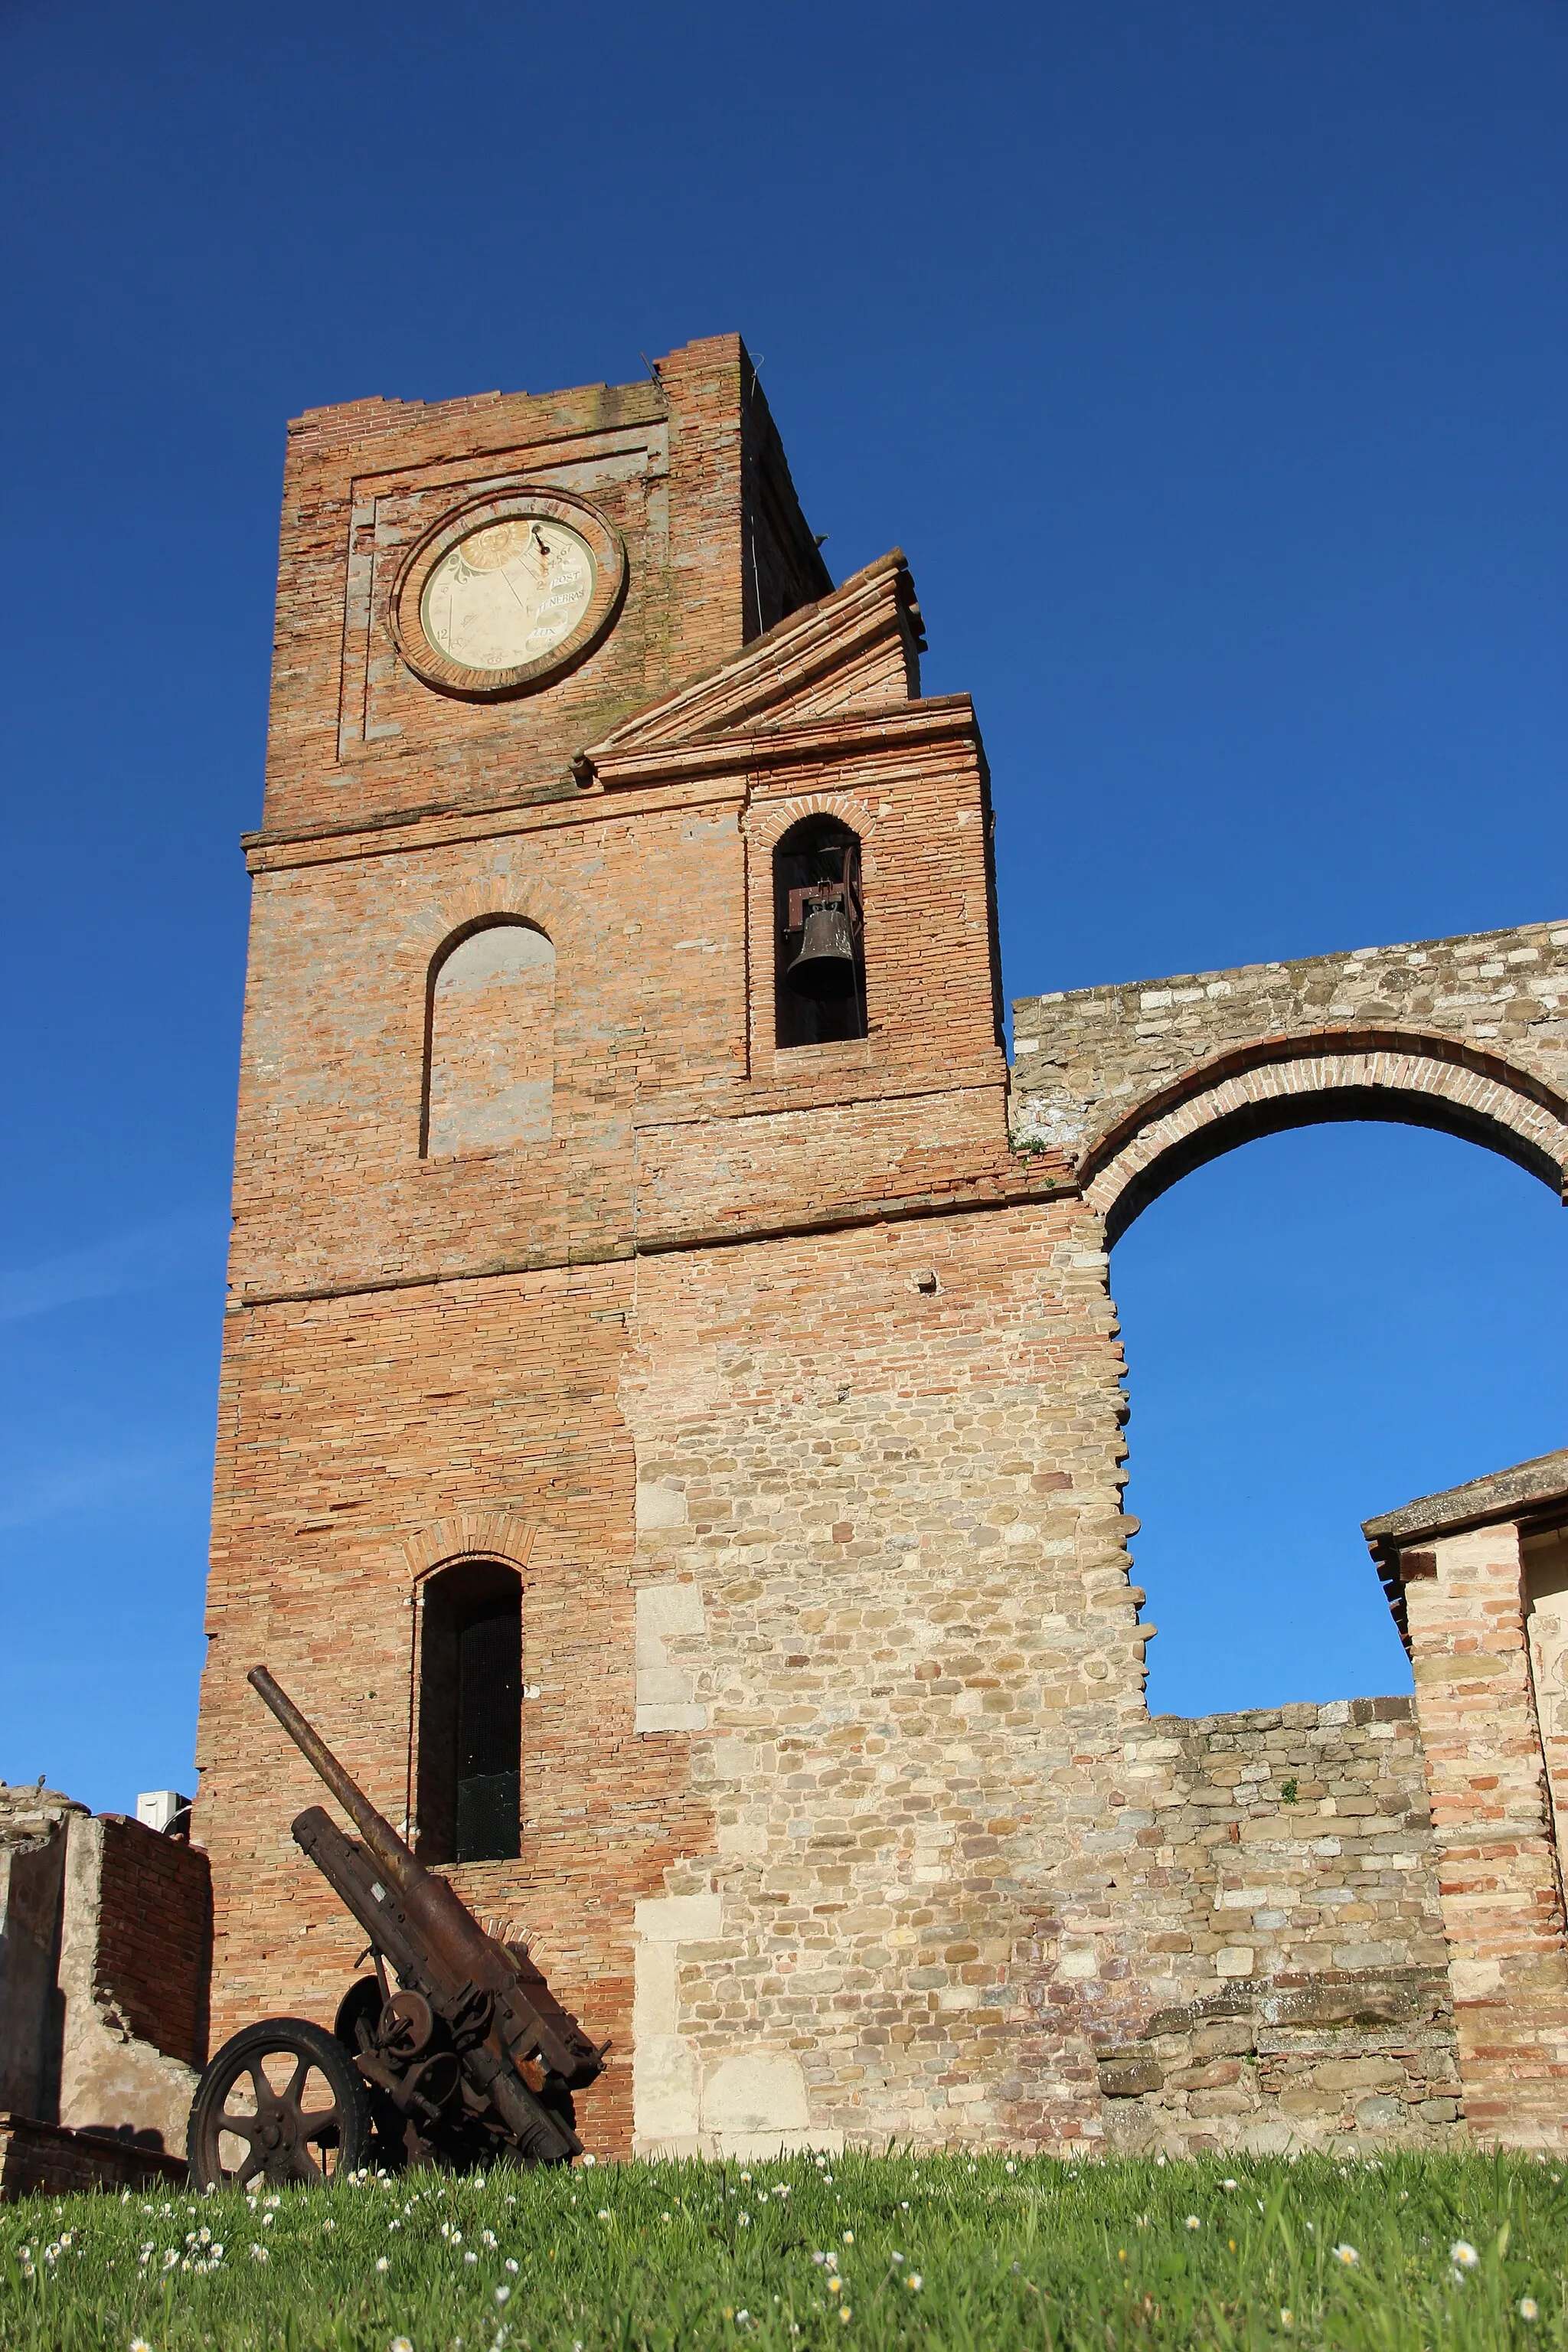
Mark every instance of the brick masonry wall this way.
pixel 659 909
pixel 353 735
pixel 1287 1866
pixel 154 1937
pixel 1503 1872
pixel 355 1435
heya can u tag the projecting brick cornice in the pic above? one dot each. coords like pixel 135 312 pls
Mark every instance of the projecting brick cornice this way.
pixel 896 727
pixel 858 648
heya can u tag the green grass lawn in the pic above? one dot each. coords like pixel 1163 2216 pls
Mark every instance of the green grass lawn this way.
pixel 806 2252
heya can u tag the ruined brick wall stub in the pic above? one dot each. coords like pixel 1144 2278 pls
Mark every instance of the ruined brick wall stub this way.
pixel 133 1980
pixel 154 1936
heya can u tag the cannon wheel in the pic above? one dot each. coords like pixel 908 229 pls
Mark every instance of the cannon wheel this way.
pixel 281 2102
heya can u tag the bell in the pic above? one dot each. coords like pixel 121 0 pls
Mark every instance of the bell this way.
pixel 825 968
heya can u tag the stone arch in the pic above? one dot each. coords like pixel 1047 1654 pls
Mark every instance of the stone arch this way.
pixel 489 1037
pixel 1317 1078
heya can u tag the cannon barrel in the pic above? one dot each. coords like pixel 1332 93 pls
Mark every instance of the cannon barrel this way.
pixel 377 1831
pixel 459 1955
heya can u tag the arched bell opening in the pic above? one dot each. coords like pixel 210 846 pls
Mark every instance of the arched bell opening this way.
pixel 470 1714
pixel 819 935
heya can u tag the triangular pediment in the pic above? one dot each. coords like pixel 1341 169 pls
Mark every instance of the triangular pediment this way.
pixel 855 650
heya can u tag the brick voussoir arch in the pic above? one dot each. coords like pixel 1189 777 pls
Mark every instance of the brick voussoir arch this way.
pixel 768 820
pixel 1314 1076
pixel 469 1535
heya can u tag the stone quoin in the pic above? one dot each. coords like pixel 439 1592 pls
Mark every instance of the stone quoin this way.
pixel 671 1442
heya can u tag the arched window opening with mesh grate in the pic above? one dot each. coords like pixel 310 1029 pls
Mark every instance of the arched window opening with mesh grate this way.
pixel 470 1714
pixel 819 935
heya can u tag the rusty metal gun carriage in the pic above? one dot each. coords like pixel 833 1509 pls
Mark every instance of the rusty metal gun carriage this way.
pixel 470 2060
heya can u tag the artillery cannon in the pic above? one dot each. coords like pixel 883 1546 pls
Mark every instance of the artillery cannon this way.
pixel 471 2058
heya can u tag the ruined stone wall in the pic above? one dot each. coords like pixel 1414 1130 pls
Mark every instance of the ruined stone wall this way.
pixel 1141 1081
pixel 1287 1865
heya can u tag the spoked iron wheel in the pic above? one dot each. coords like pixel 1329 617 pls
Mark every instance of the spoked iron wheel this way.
pixel 281 2102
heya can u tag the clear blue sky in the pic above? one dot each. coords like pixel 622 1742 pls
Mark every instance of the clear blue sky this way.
pixel 1209 360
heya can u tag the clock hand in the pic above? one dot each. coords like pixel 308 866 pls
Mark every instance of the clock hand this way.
pixel 521 607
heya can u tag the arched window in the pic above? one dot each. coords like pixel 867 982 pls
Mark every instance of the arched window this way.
pixel 470 1714
pixel 490 1041
pixel 819 935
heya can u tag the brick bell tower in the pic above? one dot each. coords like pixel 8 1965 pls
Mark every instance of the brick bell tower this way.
pixel 636 1307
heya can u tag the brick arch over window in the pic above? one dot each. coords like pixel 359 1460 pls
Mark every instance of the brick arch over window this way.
pixel 1314 1080
pixel 489 1038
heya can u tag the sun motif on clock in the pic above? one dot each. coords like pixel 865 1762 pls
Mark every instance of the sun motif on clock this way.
pixel 506 594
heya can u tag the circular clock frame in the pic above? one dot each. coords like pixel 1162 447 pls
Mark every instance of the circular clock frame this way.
pixel 435 668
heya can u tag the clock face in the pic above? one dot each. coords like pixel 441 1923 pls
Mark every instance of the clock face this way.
pixel 508 593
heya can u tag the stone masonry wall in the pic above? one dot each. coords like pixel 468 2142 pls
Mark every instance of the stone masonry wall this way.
pixel 885 1466
pixel 1287 1866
